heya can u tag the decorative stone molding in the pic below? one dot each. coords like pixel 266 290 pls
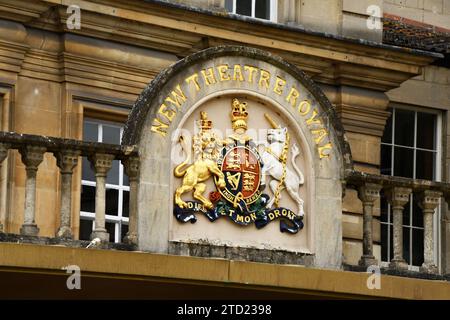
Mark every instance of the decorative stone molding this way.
pixel 131 166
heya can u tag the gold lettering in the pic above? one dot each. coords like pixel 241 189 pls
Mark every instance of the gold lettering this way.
pixel 253 216
pixel 312 120
pixel 304 107
pixel 277 213
pixel 209 76
pixel 178 97
pixel 293 96
pixel 194 79
pixel 279 84
pixel 159 127
pixel 321 150
pixel 264 79
pixel 169 114
pixel 239 218
pixel 321 133
pixel 250 70
pixel 247 219
pixel 237 74
pixel 223 72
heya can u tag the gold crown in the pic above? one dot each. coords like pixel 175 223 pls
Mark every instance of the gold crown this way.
pixel 204 123
pixel 239 114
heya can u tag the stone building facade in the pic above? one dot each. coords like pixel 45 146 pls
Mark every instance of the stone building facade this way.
pixel 81 82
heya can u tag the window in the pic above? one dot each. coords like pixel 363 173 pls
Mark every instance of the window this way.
pixel 410 148
pixel 117 186
pixel 261 9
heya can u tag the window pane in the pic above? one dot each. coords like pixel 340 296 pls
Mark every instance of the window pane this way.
pixel 90 132
pixel 262 9
pixel 87 199
pixel 111 229
pixel 229 5
pixel 85 229
pixel 407 213
pixel 417 241
pixel 125 203
pixel 404 127
pixel 391 243
pixel 386 159
pixel 425 161
pixel 403 162
pixel 417 220
pixel 426 128
pixel 113 174
pixel 244 7
pixel 87 172
pixel 383 207
pixel 111 134
pixel 112 202
pixel 126 180
pixel 124 231
pixel 387 134
pixel 384 241
pixel 406 251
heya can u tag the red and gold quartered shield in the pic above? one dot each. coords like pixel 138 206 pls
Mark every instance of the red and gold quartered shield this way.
pixel 242 169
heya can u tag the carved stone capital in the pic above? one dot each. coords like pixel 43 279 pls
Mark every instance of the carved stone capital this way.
pixel 429 200
pixel 32 156
pixel 101 163
pixel 369 192
pixel 398 196
pixel 4 147
pixel 67 160
pixel 131 166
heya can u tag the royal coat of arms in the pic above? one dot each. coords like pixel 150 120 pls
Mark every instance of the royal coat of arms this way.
pixel 240 170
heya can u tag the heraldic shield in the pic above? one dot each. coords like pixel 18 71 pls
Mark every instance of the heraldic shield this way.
pixel 239 173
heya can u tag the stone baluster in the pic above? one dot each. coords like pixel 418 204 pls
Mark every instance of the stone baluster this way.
pixel 101 164
pixel 398 197
pixel 32 156
pixel 428 201
pixel 131 166
pixel 368 194
pixel 4 147
pixel 66 161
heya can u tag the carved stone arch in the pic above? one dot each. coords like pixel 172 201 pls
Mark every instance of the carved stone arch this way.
pixel 208 81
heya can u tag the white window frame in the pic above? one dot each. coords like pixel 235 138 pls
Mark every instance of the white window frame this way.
pixel 273 10
pixel 118 220
pixel 438 177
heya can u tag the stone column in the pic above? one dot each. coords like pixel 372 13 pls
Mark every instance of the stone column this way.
pixel 4 147
pixel 66 161
pixel 32 156
pixel 132 169
pixel 428 201
pixel 398 197
pixel 368 194
pixel 101 164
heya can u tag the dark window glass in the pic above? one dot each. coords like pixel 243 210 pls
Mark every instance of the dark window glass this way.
pixel 404 127
pixel 417 218
pixel 111 134
pixel 90 132
pixel 403 162
pixel 262 9
pixel 383 207
pixel 425 161
pixel 125 203
pixel 85 229
pixel 406 214
pixel 384 240
pixel 88 199
pixel 87 172
pixel 386 159
pixel 111 229
pixel 391 244
pixel 406 252
pixel 417 242
pixel 124 231
pixel 426 124
pixel 126 180
pixel 244 7
pixel 112 176
pixel 387 134
pixel 112 202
